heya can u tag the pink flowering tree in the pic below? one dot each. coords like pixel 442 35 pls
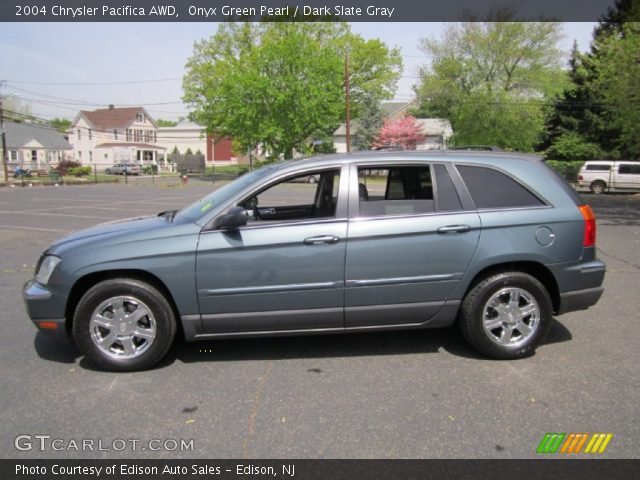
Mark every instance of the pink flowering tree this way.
pixel 404 133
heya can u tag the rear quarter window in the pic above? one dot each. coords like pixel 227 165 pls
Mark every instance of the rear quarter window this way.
pixel 598 168
pixel 490 188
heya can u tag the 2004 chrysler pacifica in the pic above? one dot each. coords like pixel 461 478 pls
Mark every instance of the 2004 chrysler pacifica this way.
pixel 492 241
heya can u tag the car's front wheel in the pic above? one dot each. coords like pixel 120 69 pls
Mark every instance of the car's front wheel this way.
pixel 507 315
pixel 124 325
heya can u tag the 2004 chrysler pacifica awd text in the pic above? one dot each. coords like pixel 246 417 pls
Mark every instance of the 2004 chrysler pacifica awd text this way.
pixel 495 242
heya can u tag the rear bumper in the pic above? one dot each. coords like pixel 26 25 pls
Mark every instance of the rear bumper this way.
pixel 579 300
pixel 580 283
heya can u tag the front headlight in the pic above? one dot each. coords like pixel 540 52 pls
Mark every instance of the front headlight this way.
pixel 46 269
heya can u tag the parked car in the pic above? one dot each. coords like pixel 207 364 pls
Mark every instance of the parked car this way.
pixel 305 179
pixel 122 168
pixel 478 148
pixel 610 176
pixel 495 243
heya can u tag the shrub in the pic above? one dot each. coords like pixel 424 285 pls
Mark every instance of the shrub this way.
pixel 150 169
pixel 65 165
pixel 572 146
pixel 79 171
pixel 568 170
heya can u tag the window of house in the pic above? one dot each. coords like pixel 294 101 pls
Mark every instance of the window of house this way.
pixel 79 134
pixel 13 155
pixel 395 190
pixel 490 188
pixel 90 156
pixel 89 134
pixel 295 198
pixel 115 133
pixel 140 117
pixel 34 155
pixel 80 155
pixel 106 156
pixel 128 134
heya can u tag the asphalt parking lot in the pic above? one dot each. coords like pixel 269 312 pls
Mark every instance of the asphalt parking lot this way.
pixel 418 394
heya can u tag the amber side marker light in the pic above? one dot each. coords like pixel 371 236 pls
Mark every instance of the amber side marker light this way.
pixel 48 325
pixel 589 226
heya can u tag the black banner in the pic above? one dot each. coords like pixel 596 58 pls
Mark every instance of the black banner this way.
pixel 318 469
pixel 305 10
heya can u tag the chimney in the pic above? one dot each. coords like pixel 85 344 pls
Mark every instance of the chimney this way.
pixel 111 106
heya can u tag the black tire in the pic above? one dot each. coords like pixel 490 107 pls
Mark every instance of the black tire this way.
pixel 598 187
pixel 150 297
pixel 471 316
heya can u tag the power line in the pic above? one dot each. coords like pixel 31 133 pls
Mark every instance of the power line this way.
pixel 123 82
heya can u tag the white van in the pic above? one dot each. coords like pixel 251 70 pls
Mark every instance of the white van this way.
pixel 601 176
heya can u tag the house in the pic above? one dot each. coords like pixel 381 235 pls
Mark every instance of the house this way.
pixel 34 146
pixel 115 135
pixel 436 131
pixel 188 135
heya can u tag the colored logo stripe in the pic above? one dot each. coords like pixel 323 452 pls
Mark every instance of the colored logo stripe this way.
pixel 573 442
pixel 551 442
pixel 598 443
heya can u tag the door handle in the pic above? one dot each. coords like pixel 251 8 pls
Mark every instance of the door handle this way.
pixel 321 239
pixel 454 229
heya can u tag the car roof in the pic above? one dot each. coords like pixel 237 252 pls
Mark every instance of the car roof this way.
pixel 374 157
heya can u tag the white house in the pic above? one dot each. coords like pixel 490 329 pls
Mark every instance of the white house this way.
pixel 113 135
pixel 34 146
pixel 436 131
pixel 188 135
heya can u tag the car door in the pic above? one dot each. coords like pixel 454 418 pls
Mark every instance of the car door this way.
pixel 410 241
pixel 285 269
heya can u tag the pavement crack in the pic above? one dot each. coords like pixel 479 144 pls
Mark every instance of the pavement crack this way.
pixel 626 262
pixel 257 400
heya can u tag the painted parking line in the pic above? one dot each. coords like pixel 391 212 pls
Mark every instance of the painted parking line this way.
pixel 9 212
pixel 36 229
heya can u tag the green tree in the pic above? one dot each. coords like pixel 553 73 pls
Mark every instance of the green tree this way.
pixel 165 123
pixel 277 84
pixel 15 109
pixel 490 79
pixel 618 64
pixel 369 123
pixel 61 124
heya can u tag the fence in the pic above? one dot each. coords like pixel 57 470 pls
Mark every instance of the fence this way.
pixel 188 163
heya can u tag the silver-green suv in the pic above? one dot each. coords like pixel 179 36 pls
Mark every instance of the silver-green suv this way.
pixel 492 241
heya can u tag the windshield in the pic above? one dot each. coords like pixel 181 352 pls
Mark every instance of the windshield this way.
pixel 198 209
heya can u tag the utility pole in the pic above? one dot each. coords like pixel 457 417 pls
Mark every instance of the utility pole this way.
pixel 346 83
pixel 4 141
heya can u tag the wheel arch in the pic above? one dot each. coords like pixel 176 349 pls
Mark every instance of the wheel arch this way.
pixel 84 283
pixel 535 269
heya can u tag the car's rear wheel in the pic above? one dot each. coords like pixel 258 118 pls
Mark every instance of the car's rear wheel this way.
pixel 507 315
pixel 598 187
pixel 124 325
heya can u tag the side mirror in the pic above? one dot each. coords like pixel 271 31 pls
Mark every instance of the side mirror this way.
pixel 233 219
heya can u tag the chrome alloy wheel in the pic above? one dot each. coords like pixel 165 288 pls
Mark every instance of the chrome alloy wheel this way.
pixel 122 327
pixel 511 317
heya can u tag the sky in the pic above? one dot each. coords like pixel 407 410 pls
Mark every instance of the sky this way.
pixel 46 63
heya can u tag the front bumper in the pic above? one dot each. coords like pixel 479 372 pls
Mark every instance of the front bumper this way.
pixel 40 303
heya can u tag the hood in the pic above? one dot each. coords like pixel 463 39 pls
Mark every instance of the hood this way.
pixel 118 231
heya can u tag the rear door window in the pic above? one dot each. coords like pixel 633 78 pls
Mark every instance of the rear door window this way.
pixel 490 188
pixel 405 190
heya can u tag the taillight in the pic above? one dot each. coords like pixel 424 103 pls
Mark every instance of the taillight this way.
pixel 580 177
pixel 589 226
